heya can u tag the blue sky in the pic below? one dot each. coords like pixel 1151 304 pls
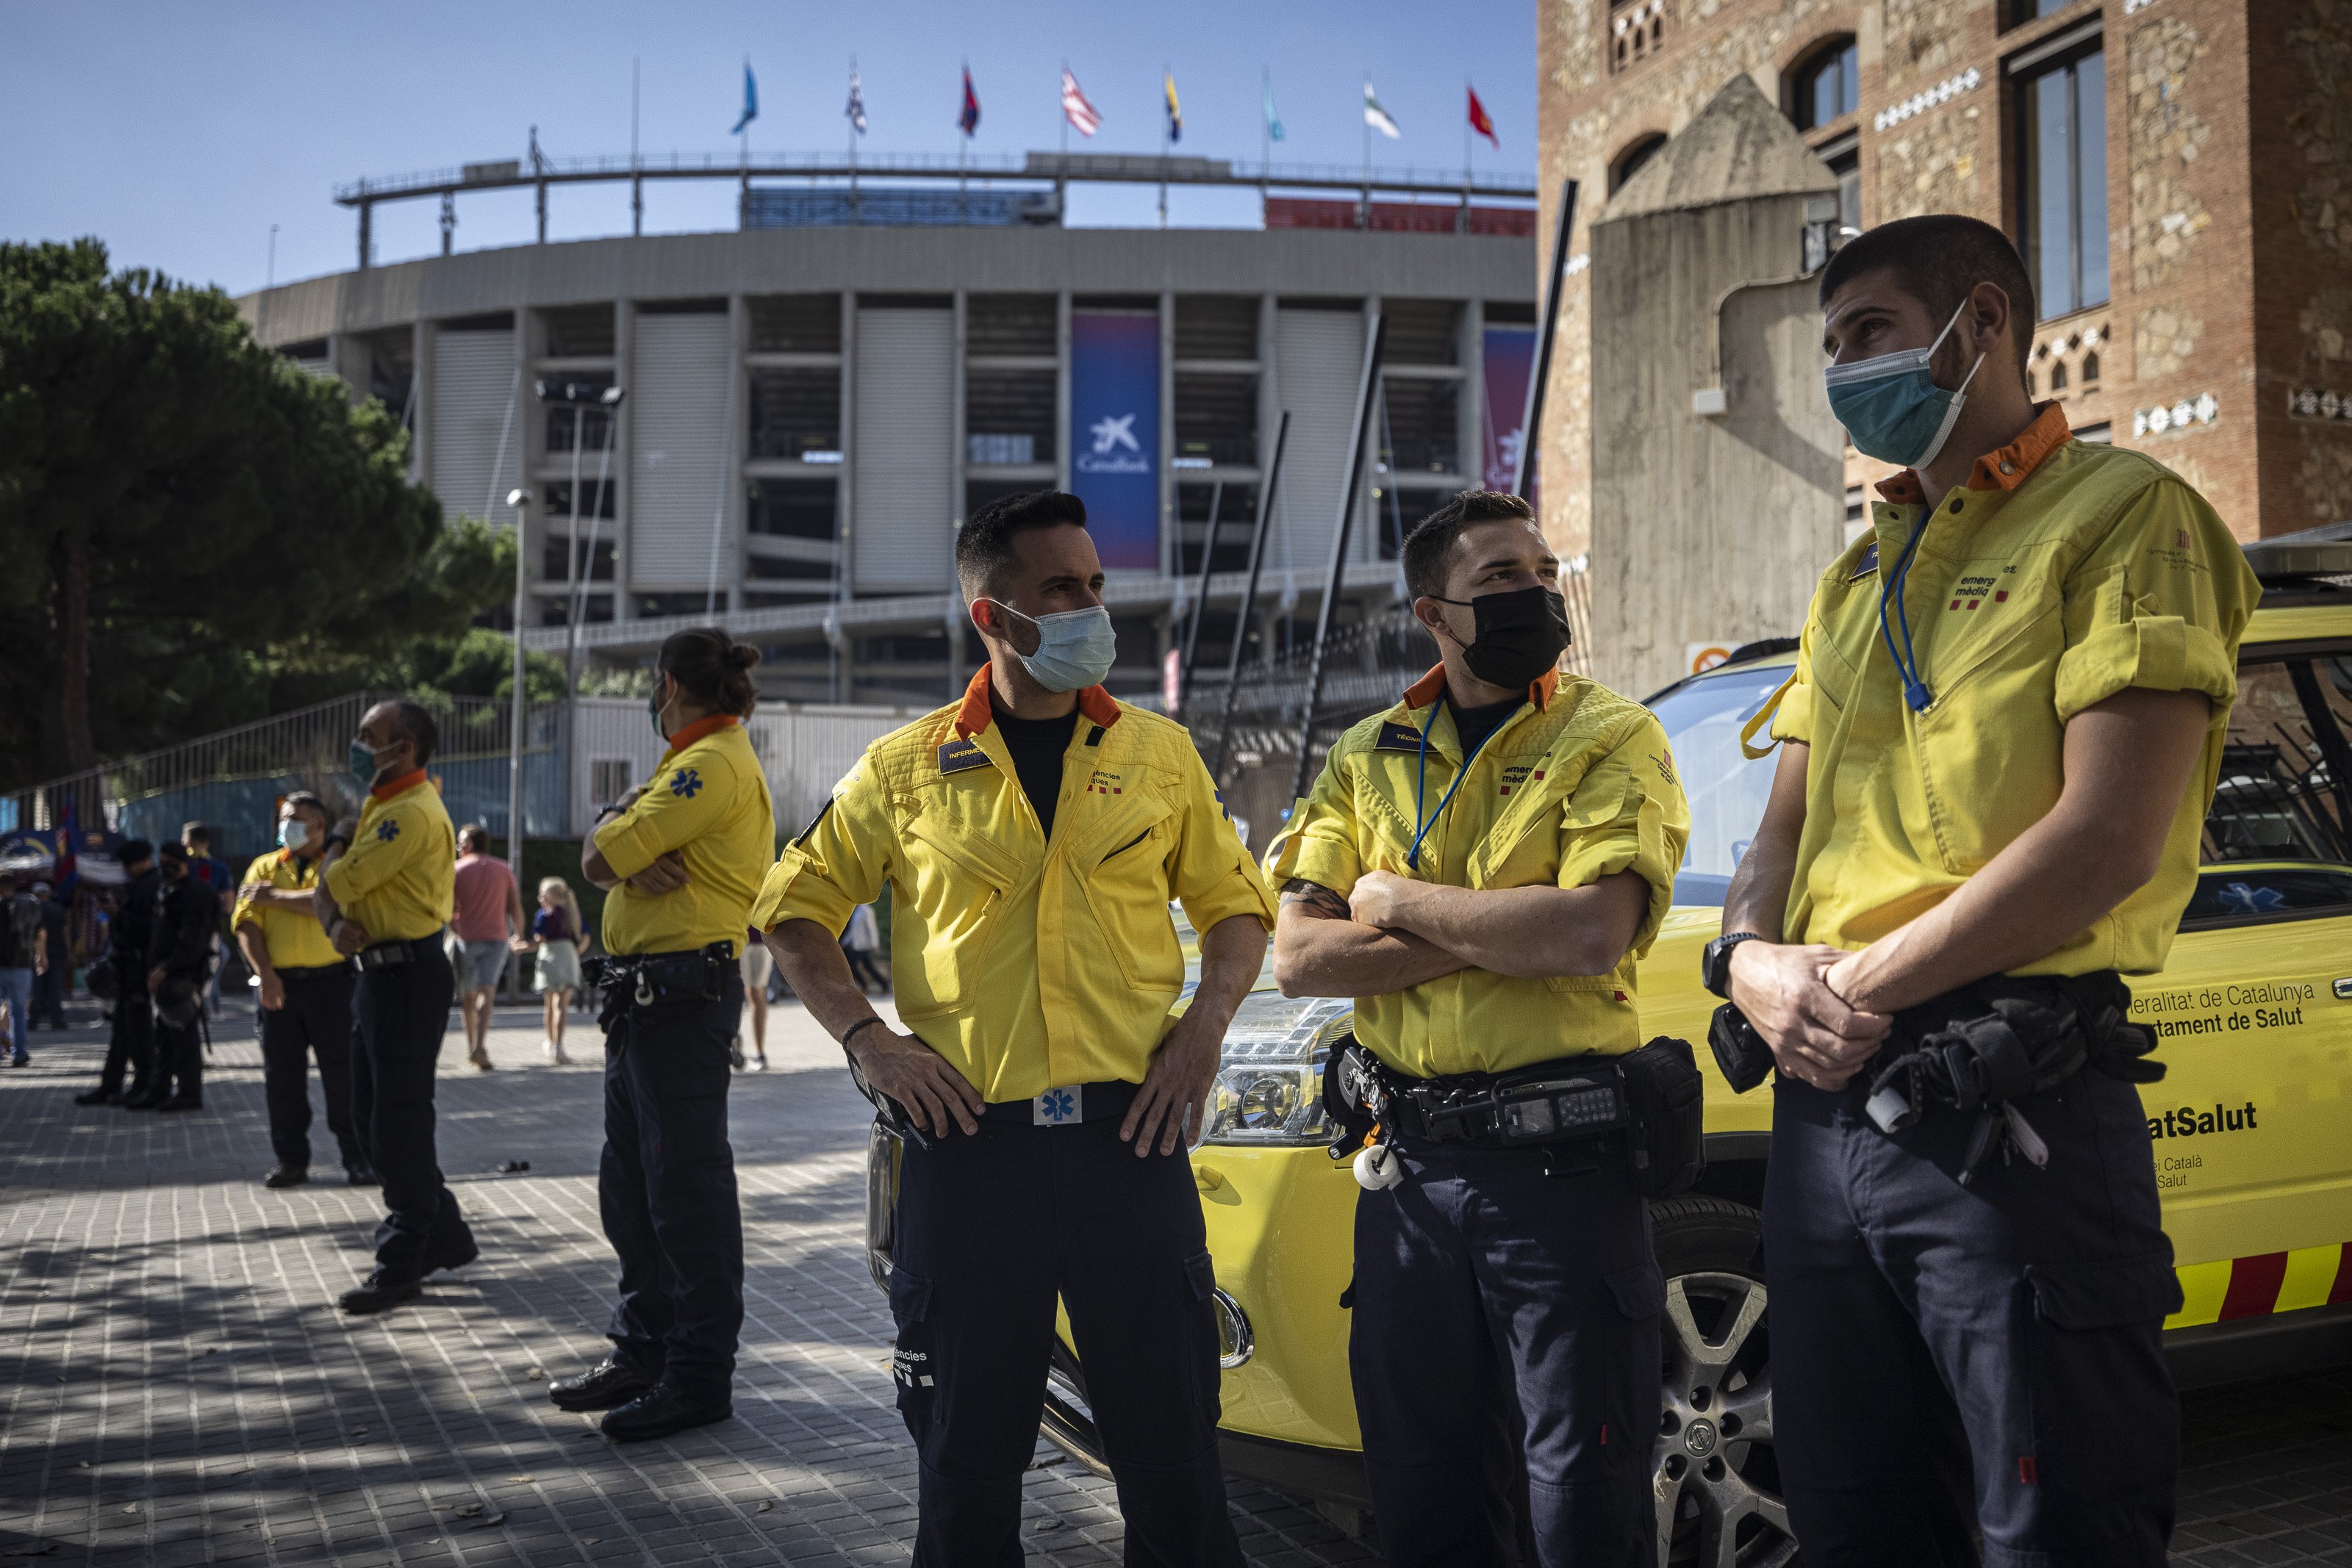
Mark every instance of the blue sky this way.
pixel 180 133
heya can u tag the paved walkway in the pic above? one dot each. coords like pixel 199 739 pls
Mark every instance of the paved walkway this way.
pixel 176 1386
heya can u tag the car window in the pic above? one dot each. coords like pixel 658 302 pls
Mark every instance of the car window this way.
pixel 2278 840
pixel 1727 788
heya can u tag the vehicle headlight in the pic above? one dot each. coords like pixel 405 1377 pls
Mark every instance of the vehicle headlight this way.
pixel 1270 1089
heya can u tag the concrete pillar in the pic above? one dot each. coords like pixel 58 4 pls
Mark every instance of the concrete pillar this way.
pixel 1172 553
pixel 624 479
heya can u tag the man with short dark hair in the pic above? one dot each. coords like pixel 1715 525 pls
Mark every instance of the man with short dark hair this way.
pixel 130 1042
pixel 305 995
pixel 2004 728
pixel 485 917
pixel 50 981
pixel 1035 832
pixel 220 878
pixel 1479 867
pixel 383 896
pixel 179 962
pixel 21 958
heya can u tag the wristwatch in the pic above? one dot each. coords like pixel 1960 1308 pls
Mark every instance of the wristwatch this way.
pixel 1715 962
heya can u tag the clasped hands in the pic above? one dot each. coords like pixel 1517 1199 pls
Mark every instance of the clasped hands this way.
pixel 1795 997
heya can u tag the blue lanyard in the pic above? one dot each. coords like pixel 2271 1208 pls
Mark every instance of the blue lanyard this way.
pixel 1421 778
pixel 1907 663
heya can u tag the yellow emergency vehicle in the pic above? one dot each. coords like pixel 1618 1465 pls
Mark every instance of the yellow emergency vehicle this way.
pixel 2253 1007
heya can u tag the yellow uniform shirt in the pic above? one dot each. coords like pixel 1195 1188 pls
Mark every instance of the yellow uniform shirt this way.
pixel 1578 784
pixel 707 801
pixel 1029 965
pixel 400 876
pixel 293 937
pixel 2062 573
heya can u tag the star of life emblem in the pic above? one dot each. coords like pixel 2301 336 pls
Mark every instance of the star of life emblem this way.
pixel 1056 1106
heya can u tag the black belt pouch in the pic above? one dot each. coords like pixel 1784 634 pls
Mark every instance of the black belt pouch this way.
pixel 1666 1137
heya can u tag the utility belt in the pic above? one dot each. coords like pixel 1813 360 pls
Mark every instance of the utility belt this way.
pixel 299 974
pixel 400 954
pixel 657 979
pixel 1978 1049
pixel 1645 1101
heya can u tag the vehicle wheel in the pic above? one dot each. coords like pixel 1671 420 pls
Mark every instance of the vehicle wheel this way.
pixel 1716 1482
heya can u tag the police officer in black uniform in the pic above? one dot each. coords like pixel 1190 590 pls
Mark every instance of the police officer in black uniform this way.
pixel 130 1043
pixel 179 961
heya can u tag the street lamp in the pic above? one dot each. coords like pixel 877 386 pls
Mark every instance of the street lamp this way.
pixel 580 397
pixel 520 499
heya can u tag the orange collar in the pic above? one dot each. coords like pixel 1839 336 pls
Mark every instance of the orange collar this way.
pixel 400 786
pixel 698 728
pixel 979 709
pixel 2005 469
pixel 1427 689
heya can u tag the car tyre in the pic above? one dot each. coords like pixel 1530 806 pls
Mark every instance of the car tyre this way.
pixel 1715 1478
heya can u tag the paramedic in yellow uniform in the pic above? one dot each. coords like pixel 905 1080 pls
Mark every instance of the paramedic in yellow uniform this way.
pixel 1479 867
pixel 383 897
pixel 1032 836
pixel 681 858
pixel 2001 740
pixel 305 994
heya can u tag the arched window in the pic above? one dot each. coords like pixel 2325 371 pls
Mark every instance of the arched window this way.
pixel 1828 85
pixel 2057 375
pixel 2090 367
pixel 1629 162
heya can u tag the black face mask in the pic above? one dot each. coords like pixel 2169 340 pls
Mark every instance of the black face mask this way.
pixel 1520 635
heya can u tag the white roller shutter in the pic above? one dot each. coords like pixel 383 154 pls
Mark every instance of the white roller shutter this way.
pixel 475 396
pixel 678 411
pixel 902 489
pixel 1318 357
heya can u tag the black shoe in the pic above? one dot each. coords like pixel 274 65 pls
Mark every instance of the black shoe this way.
pixel 455 1259
pixel 361 1176
pixel 660 1411
pixel 99 1097
pixel 375 1293
pixel 601 1387
pixel 287 1175
pixel 149 1100
pixel 182 1102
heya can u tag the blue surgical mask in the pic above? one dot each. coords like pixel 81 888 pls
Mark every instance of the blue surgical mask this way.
pixel 363 768
pixel 1891 405
pixel 293 833
pixel 1075 647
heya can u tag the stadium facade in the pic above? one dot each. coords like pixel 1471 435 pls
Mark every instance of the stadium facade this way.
pixel 812 409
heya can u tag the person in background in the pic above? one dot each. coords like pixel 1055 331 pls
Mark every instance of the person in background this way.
pixel 305 995
pixel 556 936
pixel 220 879
pixel 861 939
pixel 179 962
pixel 50 981
pixel 756 964
pixel 488 925
pixel 130 1045
pixel 20 958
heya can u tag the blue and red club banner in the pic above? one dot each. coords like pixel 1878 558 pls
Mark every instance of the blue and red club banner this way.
pixel 1114 435
pixel 1510 358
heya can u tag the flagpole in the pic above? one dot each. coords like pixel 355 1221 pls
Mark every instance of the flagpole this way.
pixel 853 151
pixel 1364 216
pixel 1167 128
pixel 1062 170
pixel 1264 134
pixel 636 178
pixel 1462 223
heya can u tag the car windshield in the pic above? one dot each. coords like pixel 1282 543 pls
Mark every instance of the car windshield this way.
pixel 1727 788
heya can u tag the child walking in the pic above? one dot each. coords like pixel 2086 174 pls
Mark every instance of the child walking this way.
pixel 555 934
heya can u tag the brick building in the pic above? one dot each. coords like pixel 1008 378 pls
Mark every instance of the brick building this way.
pixel 2177 172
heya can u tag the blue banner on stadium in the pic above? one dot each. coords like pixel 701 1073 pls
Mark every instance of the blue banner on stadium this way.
pixel 1114 435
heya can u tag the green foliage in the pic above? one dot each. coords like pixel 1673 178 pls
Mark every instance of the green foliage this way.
pixel 198 532
pixel 608 681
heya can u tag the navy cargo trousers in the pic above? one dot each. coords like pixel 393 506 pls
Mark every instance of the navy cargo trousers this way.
pixel 1947 1359
pixel 1502 1314
pixel 991 1228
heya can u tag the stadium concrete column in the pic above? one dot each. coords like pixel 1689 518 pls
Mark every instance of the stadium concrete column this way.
pixel 959 451
pixel 623 475
pixel 1062 389
pixel 1172 529
pixel 1470 409
pixel 739 416
pixel 844 674
pixel 420 358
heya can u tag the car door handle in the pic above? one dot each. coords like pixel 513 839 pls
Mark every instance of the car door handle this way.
pixel 2344 989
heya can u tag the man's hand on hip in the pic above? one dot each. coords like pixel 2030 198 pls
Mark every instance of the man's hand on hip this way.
pixel 1172 1107
pixel 917 1077
pixel 1815 1037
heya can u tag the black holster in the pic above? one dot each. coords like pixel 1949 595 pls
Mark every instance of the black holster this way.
pixel 654 979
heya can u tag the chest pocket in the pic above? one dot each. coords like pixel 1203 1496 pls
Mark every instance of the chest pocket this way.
pixel 955 882
pixel 2000 614
pixel 1121 866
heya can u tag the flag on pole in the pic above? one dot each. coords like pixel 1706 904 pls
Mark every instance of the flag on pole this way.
pixel 855 112
pixel 1480 122
pixel 1378 117
pixel 1082 115
pixel 1273 120
pixel 1175 110
pixel 968 120
pixel 750 100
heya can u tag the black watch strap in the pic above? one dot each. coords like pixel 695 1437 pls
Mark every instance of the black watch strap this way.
pixel 1715 962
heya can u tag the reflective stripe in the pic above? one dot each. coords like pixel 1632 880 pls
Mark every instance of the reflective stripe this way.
pixel 2263 1284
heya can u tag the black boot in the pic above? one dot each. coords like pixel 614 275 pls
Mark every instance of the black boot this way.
pixel 377 1291
pixel 100 1096
pixel 660 1411
pixel 285 1176
pixel 600 1388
